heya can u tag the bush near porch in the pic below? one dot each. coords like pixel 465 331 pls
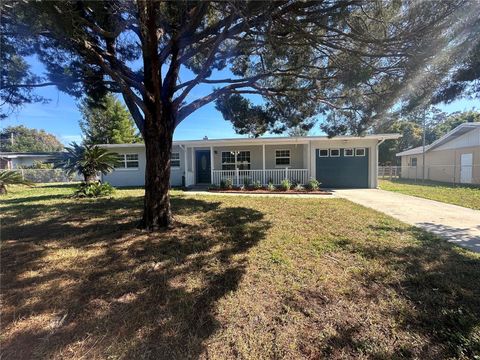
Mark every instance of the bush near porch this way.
pixel 238 277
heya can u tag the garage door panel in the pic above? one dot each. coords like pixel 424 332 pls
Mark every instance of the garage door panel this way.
pixel 342 172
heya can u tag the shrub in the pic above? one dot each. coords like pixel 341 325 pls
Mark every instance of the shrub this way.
pixel 226 184
pixel 299 187
pixel 94 189
pixel 257 185
pixel 271 187
pixel 286 185
pixel 314 184
pixel 246 182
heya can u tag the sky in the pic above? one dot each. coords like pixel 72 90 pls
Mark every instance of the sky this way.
pixel 60 116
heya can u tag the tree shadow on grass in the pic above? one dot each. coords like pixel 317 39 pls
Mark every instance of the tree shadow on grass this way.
pixel 81 280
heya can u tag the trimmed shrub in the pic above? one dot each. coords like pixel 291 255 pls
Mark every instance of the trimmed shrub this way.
pixel 226 184
pixel 271 187
pixel 314 185
pixel 286 185
pixel 94 189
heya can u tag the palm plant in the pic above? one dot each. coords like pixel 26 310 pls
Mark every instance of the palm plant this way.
pixel 9 177
pixel 87 160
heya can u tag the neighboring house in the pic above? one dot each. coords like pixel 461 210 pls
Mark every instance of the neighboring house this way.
pixel 16 160
pixel 455 157
pixel 342 161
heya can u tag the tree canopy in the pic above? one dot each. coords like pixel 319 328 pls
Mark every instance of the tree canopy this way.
pixel 107 122
pixel 22 139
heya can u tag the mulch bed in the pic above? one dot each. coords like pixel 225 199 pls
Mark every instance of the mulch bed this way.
pixel 278 192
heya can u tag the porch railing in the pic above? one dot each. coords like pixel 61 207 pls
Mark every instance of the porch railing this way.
pixel 275 176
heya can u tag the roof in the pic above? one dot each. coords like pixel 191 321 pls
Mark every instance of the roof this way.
pixel 267 140
pixel 14 155
pixel 451 135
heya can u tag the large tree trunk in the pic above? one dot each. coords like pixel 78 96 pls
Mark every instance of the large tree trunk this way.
pixel 158 145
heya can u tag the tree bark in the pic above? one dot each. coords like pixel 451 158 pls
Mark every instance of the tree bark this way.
pixel 158 137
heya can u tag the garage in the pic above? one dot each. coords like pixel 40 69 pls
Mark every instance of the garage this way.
pixel 342 167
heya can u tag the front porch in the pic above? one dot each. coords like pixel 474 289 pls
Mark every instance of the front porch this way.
pixel 262 164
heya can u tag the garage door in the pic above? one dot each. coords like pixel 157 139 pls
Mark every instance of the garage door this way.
pixel 342 168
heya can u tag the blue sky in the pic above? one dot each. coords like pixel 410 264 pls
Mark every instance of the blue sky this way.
pixel 60 116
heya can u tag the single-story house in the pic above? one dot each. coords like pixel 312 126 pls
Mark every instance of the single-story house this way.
pixel 455 157
pixel 342 161
pixel 17 160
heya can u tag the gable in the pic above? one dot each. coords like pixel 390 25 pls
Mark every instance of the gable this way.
pixel 469 139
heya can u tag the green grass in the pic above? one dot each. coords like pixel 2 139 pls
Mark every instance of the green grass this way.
pixel 238 277
pixel 466 196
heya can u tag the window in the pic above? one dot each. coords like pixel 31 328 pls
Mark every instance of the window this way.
pixel 334 152
pixel 235 159
pixel 360 152
pixel 323 153
pixel 413 161
pixel 282 157
pixel 175 160
pixel 127 161
pixel 347 152
pixel 228 160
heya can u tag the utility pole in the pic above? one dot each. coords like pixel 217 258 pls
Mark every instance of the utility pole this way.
pixel 423 141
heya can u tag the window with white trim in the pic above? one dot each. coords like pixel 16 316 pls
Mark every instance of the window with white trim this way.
pixel 323 153
pixel 175 160
pixel 360 152
pixel 347 152
pixel 413 161
pixel 232 160
pixel 282 157
pixel 127 161
pixel 334 152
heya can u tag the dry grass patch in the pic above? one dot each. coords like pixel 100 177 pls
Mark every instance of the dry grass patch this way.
pixel 239 277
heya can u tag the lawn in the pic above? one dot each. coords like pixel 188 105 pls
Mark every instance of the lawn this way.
pixel 238 277
pixel 466 196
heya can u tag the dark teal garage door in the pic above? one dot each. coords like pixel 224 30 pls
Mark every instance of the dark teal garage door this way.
pixel 335 170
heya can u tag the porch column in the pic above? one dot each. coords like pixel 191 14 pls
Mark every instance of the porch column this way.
pixel 211 164
pixel 186 165
pixel 263 163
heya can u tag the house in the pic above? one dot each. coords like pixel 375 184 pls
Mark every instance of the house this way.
pixel 455 157
pixel 17 160
pixel 342 161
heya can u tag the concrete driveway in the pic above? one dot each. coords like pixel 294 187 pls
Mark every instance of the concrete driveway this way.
pixel 456 224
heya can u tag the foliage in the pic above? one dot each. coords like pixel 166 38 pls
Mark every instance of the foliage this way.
pixel 299 187
pixel 22 139
pixel 257 184
pixel 107 122
pixel 271 187
pixel 247 182
pixel 226 184
pixel 37 165
pixel 8 177
pixel 94 189
pixel 88 160
pixel 286 184
pixel 313 184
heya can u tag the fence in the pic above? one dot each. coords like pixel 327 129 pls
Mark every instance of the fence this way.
pixel 451 174
pixel 275 176
pixel 46 175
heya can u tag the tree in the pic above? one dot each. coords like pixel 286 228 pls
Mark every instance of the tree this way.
pixel 22 139
pixel 107 122
pixel 87 160
pixel 11 178
pixel 455 119
pixel 300 58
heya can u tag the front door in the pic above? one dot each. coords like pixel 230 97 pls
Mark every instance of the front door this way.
pixel 203 168
pixel 466 164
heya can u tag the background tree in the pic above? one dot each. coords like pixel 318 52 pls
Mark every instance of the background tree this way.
pixel 107 122
pixel 300 58
pixel 22 139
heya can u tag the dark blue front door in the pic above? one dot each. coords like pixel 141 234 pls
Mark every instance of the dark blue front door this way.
pixel 203 166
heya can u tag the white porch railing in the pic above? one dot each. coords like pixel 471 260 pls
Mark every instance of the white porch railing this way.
pixel 275 176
